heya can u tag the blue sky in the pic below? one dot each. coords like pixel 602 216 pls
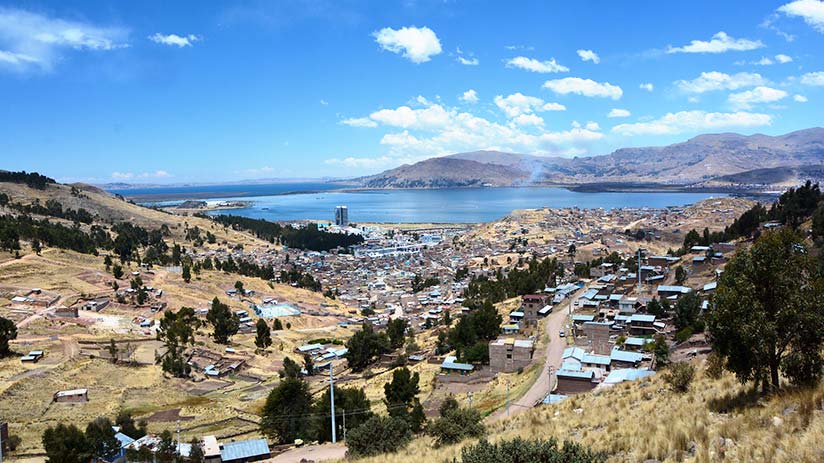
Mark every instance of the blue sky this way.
pixel 170 92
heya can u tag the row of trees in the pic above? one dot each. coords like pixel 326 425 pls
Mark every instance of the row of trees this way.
pixel 52 208
pixel 70 444
pixel 32 179
pixel 15 228
pixel 309 237
pixel 535 277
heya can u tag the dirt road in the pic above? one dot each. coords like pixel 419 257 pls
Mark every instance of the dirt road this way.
pixel 323 452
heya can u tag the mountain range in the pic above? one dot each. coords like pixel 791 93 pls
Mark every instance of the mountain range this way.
pixel 712 160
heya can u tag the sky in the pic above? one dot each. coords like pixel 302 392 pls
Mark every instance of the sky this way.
pixel 177 92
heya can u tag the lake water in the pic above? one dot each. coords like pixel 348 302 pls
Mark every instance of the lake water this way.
pixel 459 205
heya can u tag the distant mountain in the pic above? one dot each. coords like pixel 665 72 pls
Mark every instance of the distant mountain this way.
pixel 698 160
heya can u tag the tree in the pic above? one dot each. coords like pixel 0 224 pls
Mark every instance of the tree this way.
pixel 196 454
pixel 660 351
pixel 401 397
pixel 277 325
pixel 818 222
pixel 769 314
pixel 224 322
pixel 263 337
pixel 166 448
pixel 378 435
pixel 308 365
pixel 286 412
pixel 239 287
pixel 36 246
pixel 177 331
pixel 455 424
pixel 113 351
pixel 117 271
pixel 396 329
pixel 66 444
pixel 654 308
pixel 364 346
pixel 349 400
pixel 687 310
pixel 8 332
pixel 127 425
pixel 680 275
pixel 101 439
pixel 291 369
pixel 187 273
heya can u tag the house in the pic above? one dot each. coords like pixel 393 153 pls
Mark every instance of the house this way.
pixel 530 305
pixel 634 343
pixel 626 374
pixel 66 312
pixel 32 357
pixel 510 354
pixel 450 365
pixel 211 449
pixel 596 361
pixel 245 451
pixel 624 359
pixel 71 396
pixel 597 334
pixel 574 382
pixel 672 291
pixel 124 441
pixel 642 324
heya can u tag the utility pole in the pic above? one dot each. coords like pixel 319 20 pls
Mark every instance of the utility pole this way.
pixel 177 450
pixel 332 400
pixel 343 412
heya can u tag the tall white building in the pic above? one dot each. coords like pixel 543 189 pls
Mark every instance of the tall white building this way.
pixel 342 216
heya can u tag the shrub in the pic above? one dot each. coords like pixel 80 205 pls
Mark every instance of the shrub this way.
pixel 533 451
pixel 379 434
pixel 715 366
pixel 455 425
pixel 679 376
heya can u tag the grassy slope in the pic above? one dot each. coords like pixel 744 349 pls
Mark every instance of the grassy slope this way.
pixel 716 420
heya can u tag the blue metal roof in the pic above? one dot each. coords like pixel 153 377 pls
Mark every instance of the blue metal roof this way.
pixel 574 352
pixel 596 359
pixel 575 374
pixel 674 289
pixel 450 363
pixel 638 317
pixel 583 318
pixel 244 449
pixel 637 341
pixel 123 439
pixel 628 374
pixel 625 356
pixel 554 398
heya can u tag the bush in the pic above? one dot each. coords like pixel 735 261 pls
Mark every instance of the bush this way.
pixel 533 451
pixel 715 366
pixel 455 425
pixel 679 376
pixel 379 434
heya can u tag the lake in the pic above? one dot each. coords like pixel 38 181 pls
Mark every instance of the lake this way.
pixel 459 205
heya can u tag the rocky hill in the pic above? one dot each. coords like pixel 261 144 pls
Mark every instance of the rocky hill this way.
pixel 700 159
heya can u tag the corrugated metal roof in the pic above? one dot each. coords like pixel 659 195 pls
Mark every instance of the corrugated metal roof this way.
pixel 244 449
pixel 575 374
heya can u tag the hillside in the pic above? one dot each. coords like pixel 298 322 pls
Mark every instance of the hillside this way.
pixel 700 159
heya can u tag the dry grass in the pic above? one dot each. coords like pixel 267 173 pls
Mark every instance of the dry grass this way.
pixel 643 420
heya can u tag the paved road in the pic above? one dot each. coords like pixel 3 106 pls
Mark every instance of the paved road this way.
pixel 554 356
pixel 323 452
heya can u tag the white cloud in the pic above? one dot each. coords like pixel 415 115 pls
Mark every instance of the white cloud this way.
pixel 469 96
pixel 783 59
pixel 174 40
pixel 589 55
pixel 647 86
pixel 364 163
pixel 468 61
pixel 518 103
pixel 584 87
pixel 720 43
pixel 813 78
pixel 694 121
pixel 413 43
pixel 324 102
pixel 141 175
pixel 746 99
pixel 811 10
pixel 534 65
pixel 619 113
pixel 800 98
pixel 764 61
pixel 359 122
pixel 34 41
pixel 436 130
pixel 714 80
pixel 525 120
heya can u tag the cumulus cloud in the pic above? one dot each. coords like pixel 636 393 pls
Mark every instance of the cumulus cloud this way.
pixel 534 65
pixel 745 99
pixel 694 121
pixel 720 43
pixel 586 87
pixel 589 55
pixel 714 80
pixel 518 103
pixel 469 96
pixel 812 11
pixel 417 44
pixel 616 112
pixel 783 59
pixel 647 86
pixel 813 78
pixel 35 41
pixel 434 129
pixel 800 98
pixel 174 40
pixel 359 122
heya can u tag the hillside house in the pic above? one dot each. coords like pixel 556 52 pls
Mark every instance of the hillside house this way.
pixel 509 354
